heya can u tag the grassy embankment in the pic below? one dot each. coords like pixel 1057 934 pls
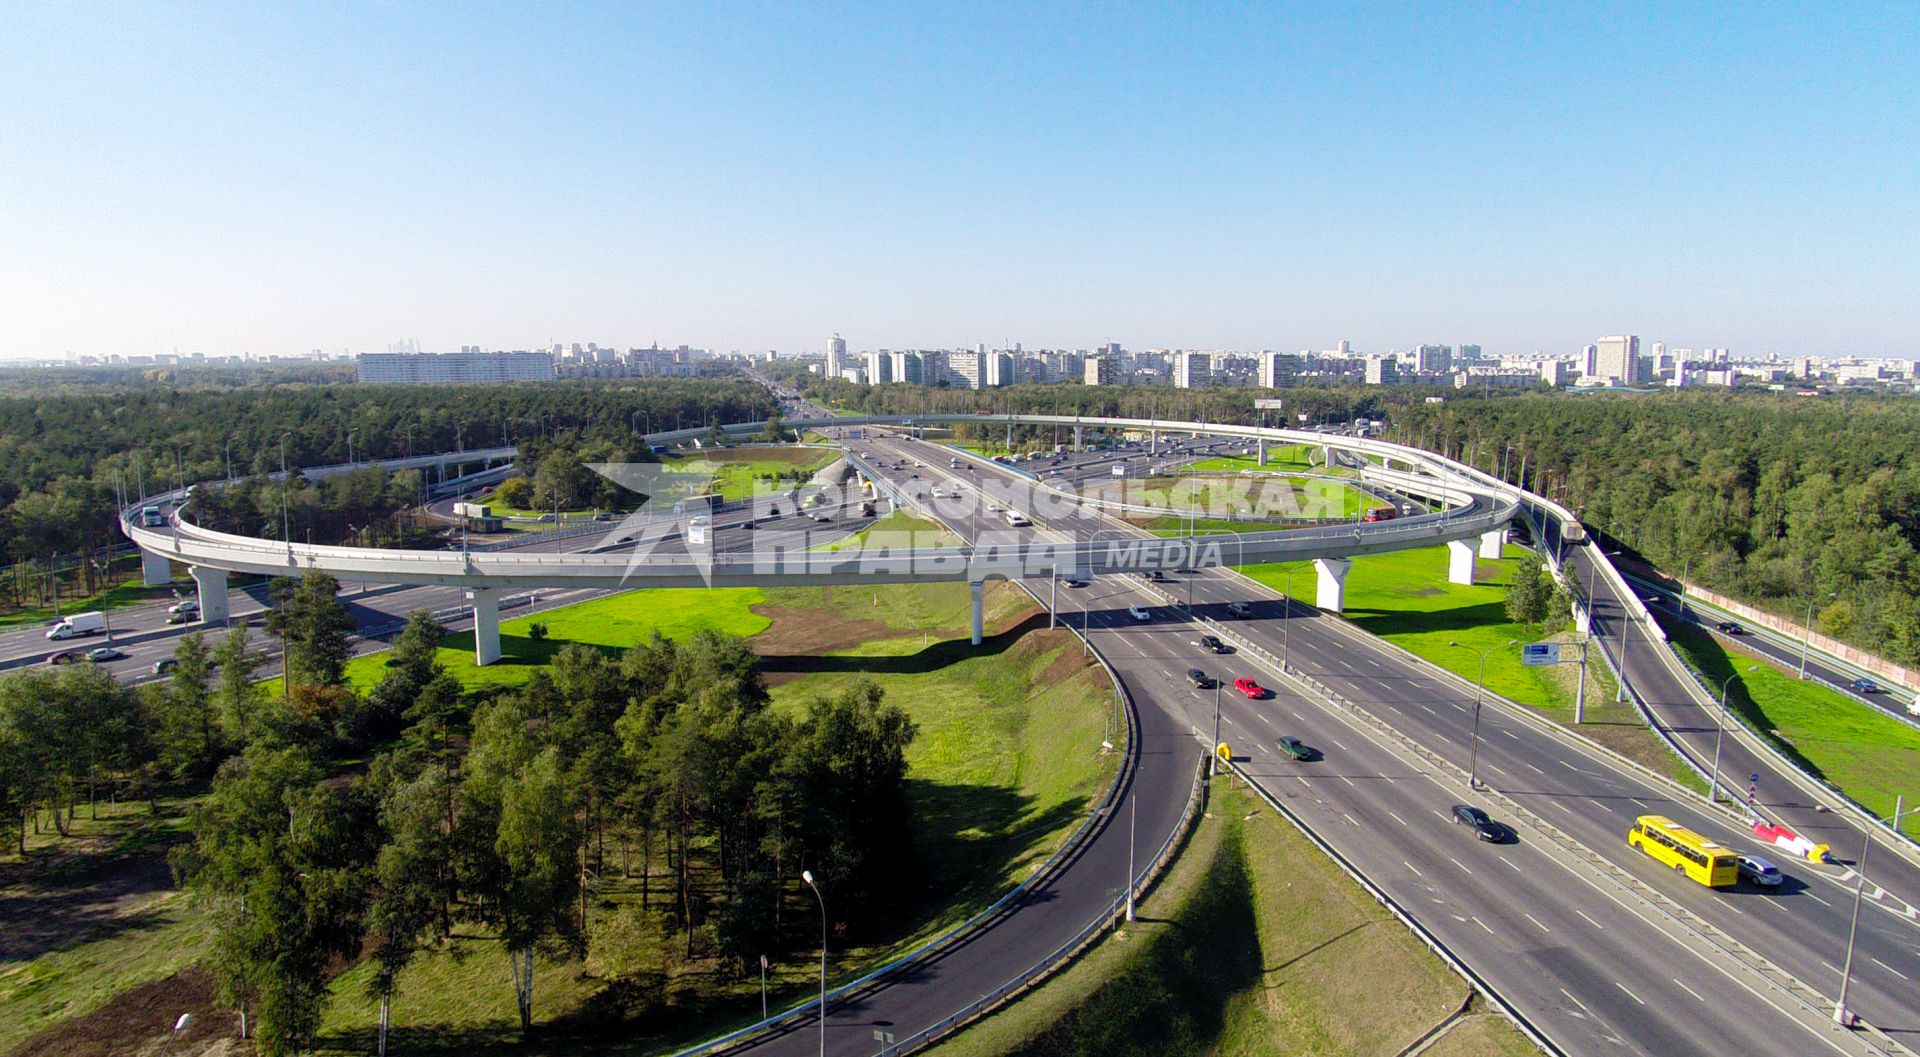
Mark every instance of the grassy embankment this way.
pixel 1249 945
pixel 899 530
pixel 1002 769
pixel 1405 598
pixel 120 596
pixel 1870 756
pixel 80 929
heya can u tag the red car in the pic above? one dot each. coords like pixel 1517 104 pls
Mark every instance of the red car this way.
pixel 1250 688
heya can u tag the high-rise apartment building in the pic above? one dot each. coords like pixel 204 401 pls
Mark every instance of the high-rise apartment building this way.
pixel 1192 370
pixel 1618 358
pixel 1382 370
pixel 836 355
pixel 1278 369
pixel 1100 370
pixel 999 369
pixel 879 368
pixel 453 368
pixel 964 369
pixel 907 367
pixel 1432 359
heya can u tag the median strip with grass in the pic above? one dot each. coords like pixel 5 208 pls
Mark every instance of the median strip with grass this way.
pixel 1253 942
pixel 739 473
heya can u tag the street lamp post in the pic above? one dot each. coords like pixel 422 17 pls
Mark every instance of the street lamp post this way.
pixel 1719 732
pixel 1213 749
pixel 286 483
pixel 1841 1015
pixel 1479 690
pixel 1806 636
pixel 807 876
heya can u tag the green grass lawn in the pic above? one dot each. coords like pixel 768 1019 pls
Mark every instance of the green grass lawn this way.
pixel 1281 458
pixel 738 472
pixel 1870 756
pixel 612 624
pixel 898 530
pixel 1248 945
pixel 1308 497
pixel 1405 598
pixel 92 951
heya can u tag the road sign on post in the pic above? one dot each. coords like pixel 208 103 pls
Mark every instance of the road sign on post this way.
pixel 1269 405
pixel 1534 654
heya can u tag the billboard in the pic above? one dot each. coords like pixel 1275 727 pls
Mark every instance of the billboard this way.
pixel 1269 405
pixel 1537 653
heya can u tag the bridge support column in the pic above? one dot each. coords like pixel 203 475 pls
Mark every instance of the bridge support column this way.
pixel 486 624
pixel 155 569
pixel 1053 600
pixel 1263 452
pixel 1326 456
pixel 1459 562
pixel 978 590
pixel 1332 594
pixel 1079 438
pixel 1491 544
pixel 1153 442
pixel 213 595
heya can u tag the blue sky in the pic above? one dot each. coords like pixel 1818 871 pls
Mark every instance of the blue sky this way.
pixel 276 177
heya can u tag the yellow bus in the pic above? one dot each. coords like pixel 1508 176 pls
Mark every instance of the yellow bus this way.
pixel 1667 841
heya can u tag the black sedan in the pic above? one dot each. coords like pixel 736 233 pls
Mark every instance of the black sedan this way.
pixel 1484 827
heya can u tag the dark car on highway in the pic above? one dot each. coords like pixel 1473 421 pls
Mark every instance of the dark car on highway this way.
pixel 1239 610
pixel 1864 686
pixel 1212 644
pixel 1729 627
pixel 1293 748
pixel 1199 679
pixel 1484 827
pixel 63 657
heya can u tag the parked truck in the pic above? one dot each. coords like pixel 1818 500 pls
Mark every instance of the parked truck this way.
pixel 75 625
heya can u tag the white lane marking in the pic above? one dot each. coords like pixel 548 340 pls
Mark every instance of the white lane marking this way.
pixel 1630 994
pixel 1397 818
pixel 1483 925
pixel 1561 806
pixel 1888 968
pixel 1337 745
pixel 1302 781
pixel 1508 863
pixel 1534 769
pixel 1535 920
pixel 1461 865
pixel 1510 734
pixel 1687 989
pixel 1568 766
pixel 1347 780
pixel 1590 921
pixel 1809 894
pixel 1410 866
pixel 1574 1000
pixel 1265 720
pixel 1350 818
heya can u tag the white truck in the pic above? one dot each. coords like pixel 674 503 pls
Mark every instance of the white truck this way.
pixel 75 625
pixel 472 510
pixel 700 531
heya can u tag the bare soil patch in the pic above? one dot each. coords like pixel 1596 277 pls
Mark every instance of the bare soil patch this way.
pixel 138 1021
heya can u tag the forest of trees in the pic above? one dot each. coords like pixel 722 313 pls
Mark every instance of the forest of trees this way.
pixel 494 810
pixel 65 454
pixel 1780 500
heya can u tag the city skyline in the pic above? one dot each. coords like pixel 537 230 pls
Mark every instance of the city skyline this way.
pixel 277 180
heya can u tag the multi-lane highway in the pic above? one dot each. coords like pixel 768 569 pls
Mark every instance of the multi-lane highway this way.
pixel 1596 968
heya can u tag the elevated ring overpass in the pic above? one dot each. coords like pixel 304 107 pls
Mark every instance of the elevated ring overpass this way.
pixel 1472 509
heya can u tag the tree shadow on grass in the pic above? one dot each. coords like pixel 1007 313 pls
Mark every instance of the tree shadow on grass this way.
pixel 932 658
pixel 1457 618
pixel 1715 664
pixel 1172 996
